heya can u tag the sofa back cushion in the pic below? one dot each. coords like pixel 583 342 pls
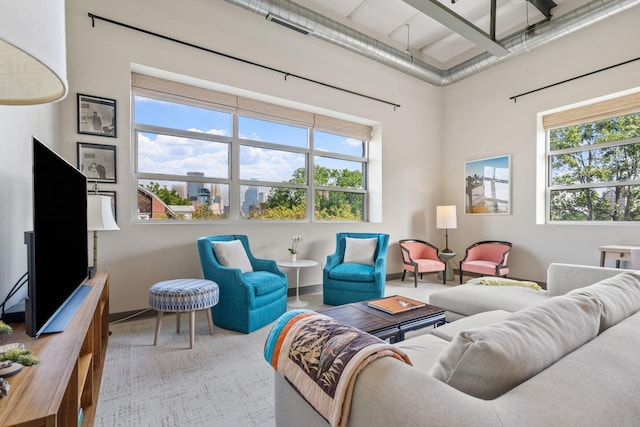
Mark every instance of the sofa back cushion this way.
pixel 562 278
pixel 619 296
pixel 486 362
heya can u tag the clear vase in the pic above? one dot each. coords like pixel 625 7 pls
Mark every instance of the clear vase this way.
pixel 292 257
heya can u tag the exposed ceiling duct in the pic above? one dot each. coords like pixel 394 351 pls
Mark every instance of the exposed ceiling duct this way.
pixel 317 25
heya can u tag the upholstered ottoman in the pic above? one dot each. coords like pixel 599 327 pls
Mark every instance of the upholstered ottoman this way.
pixel 183 296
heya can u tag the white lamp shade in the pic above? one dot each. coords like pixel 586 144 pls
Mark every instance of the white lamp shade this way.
pixel 33 54
pixel 99 214
pixel 446 217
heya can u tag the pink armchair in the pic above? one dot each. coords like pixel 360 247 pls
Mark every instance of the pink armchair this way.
pixel 487 258
pixel 420 257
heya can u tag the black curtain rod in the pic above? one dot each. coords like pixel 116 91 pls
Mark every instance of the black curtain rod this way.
pixel 515 97
pixel 235 58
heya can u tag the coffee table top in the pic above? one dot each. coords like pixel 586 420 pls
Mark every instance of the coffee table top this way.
pixel 371 320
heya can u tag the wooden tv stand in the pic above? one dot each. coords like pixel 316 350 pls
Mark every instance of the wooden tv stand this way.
pixel 68 376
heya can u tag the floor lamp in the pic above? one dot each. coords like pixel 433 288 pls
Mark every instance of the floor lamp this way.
pixel 446 218
pixel 99 218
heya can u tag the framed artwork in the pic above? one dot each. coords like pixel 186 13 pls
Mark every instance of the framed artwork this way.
pixel 97 162
pixel 112 196
pixel 488 186
pixel 96 116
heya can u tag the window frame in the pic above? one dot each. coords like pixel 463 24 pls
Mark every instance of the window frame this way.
pixel 609 108
pixel 325 124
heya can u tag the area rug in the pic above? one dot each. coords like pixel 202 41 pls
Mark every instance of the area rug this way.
pixel 223 381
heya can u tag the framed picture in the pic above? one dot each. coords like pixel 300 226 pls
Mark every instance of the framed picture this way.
pixel 96 116
pixel 488 186
pixel 97 162
pixel 110 194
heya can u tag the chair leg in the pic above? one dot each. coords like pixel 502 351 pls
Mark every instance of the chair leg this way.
pixel 178 322
pixel 461 275
pixel 210 320
pixel 192 328
pixel 158 327
pixel 415 278
pixel 404 273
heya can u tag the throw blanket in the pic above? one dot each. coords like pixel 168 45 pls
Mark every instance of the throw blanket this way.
pixel 321 357
pixel 501 281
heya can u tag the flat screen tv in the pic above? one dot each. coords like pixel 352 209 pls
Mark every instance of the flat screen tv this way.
pixel 57 248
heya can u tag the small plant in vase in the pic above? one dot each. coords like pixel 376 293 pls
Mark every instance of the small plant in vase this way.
pixel 293 250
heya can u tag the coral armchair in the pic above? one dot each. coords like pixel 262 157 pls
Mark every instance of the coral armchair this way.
pixel 253 293
pixel 487 258
pixel 357 270
pixel 420 257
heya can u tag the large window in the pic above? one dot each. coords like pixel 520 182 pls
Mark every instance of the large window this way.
pixel 206 155
pixel 593 162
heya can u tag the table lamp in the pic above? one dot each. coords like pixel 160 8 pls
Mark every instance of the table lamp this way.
pixel 99 218
pixel 446 218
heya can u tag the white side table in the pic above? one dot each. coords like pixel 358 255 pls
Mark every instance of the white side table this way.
pixel 301 263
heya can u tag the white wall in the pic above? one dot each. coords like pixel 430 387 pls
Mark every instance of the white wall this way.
pixel 481 121
pixel 425 141
pixel 99 64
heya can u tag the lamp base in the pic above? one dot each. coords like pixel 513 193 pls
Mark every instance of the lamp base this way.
pixel 447 251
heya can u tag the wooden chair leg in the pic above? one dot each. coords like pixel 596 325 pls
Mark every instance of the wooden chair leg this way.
pixel 404 273
pixel 192 328
pixel 158 327
pixel 210 320
pixel 415 278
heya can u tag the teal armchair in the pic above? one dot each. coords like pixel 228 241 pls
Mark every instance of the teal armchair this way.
pixel 357 270
pixel 250 300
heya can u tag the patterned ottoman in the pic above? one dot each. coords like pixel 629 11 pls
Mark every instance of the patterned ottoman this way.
pixel 183 296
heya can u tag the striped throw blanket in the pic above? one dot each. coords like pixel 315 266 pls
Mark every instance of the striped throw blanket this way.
pixel 321 357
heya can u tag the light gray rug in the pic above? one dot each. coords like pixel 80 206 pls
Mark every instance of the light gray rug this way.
pixel 223 381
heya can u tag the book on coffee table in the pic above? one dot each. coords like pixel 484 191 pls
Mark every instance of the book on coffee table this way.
pixel 395 304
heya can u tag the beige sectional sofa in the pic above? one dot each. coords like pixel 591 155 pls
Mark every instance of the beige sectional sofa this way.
pixel 469 299
pixel 570 360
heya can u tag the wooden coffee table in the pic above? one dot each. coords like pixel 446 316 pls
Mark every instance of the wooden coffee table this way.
pixel 383 325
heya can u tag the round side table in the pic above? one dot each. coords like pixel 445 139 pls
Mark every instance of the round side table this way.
pixel 301 263
pixel 446 257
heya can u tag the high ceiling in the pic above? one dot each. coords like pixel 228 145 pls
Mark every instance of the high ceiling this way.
pixel 438 41
pixel 399 24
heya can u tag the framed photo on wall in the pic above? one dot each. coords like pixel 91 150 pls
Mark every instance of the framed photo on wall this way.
pixel 96 116
pixel 488 186
pixel 97 162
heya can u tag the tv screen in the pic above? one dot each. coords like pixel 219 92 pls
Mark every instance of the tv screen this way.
pixel 57 247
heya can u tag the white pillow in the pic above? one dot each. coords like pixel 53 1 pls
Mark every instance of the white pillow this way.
pixel 232 254
pixel 488 361
pixel 360 251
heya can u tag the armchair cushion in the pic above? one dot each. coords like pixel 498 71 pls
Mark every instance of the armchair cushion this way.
pixel 360 251
pixel 352 272
pixel 232 254
pixel 263 282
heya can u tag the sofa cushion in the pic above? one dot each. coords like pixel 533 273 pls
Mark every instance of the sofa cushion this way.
pixel 619 295
pixel 450 330
pixel 360 251
pixel 489 361
pixel 423 350
pixel 232 254
pixel 472 299
pixel 352 272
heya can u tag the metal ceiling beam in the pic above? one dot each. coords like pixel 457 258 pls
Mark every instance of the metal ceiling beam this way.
pixel 544 6
pixel 457 23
